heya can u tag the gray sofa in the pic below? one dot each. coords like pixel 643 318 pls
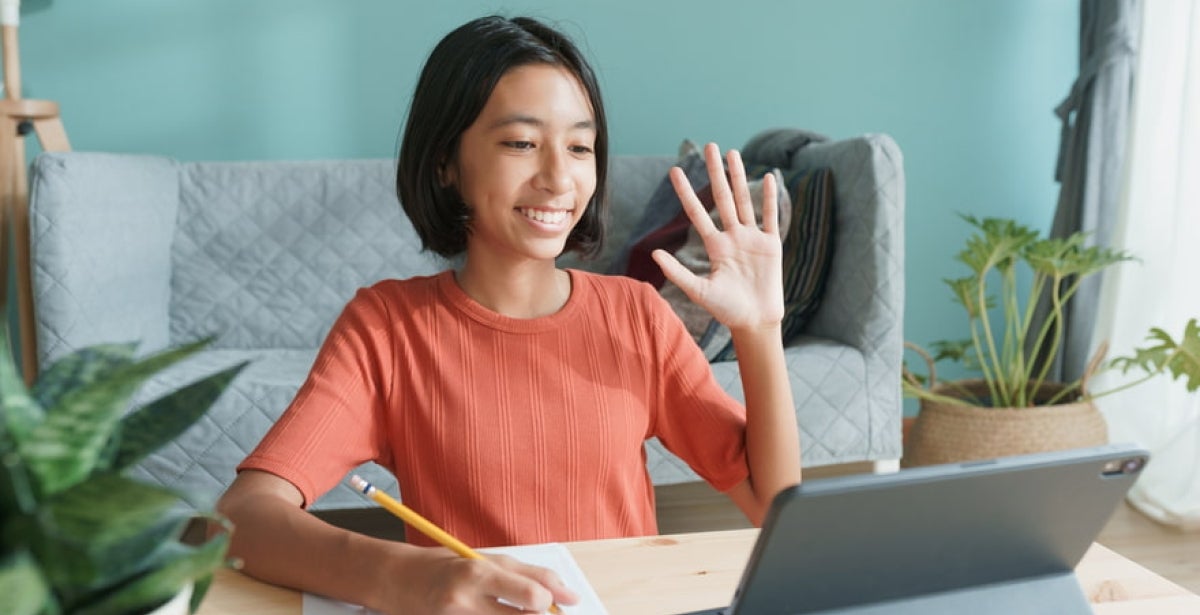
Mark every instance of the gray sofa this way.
pixel 265 254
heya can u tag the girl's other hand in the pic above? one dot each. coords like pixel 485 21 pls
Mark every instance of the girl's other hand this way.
pixel 443 582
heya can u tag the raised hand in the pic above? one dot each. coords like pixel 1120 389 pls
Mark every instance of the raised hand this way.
pixel 745 287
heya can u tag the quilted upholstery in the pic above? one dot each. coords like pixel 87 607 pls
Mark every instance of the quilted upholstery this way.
pixel 265 254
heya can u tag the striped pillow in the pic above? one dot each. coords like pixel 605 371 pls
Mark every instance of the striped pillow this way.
pixel 712 336
pixel 807 247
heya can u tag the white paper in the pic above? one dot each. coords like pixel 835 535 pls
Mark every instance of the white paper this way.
pixel 554 556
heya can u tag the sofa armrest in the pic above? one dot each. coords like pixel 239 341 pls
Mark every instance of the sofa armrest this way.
pixel 863 303
pixel 101 228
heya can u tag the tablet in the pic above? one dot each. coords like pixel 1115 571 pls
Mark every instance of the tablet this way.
pixel 995 536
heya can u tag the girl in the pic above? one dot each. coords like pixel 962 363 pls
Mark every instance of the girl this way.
pixel 511 398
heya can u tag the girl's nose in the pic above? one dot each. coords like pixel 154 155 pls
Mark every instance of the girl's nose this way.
pixel 554 176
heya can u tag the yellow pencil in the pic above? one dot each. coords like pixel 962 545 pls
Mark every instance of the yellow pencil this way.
pixel 421 524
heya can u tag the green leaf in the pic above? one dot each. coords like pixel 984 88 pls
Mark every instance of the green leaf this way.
pixel 67 446
pixel 78 369
pixel 180 565
pixel 23 589
pixel 997 244
pixel 1181 358
pixel 199 591
pixel 1184 361
pixel 966 293
pixel 162 420
pixel 20 413
pixel 105 530
pixel 16 489
pixel 955 350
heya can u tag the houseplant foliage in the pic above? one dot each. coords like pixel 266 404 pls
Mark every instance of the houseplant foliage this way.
pixel 1013 357
pixel 78 536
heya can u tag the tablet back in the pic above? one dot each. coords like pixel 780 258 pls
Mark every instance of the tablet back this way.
pixel 979 537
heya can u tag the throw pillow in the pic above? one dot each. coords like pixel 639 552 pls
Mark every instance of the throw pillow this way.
pixel 712 336
pixel 807 248
pixel 807 233
pixel 663 223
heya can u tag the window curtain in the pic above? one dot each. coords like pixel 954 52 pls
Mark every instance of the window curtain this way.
pixel 1095 120
pixel 1158 220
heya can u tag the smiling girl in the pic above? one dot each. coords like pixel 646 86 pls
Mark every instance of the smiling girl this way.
pixel 512 398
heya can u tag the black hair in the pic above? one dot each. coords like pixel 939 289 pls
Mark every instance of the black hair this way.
pixel 455 84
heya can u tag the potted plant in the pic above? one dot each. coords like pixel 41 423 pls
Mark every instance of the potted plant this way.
pixel 78 535
pixel 1012 408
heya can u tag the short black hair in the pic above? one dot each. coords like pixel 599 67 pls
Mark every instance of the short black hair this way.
pixel 455 84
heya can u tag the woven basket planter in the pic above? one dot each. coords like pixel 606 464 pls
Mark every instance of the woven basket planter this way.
pixel 950 433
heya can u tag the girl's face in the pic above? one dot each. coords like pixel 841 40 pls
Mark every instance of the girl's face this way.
pixel 526 168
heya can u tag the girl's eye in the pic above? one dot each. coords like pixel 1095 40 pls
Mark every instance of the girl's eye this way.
pixel 520 145
pixel 580 149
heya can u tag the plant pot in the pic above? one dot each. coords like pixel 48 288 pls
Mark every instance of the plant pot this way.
pixel 949 433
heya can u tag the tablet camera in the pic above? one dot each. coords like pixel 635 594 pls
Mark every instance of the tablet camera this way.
pixel 1130 465
pixel 1133 465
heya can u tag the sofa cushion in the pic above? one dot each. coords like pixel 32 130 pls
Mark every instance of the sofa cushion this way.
pixel 807 252
pixel 807 229
pixel 662 223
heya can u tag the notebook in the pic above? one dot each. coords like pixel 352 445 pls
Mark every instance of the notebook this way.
pixel 996 536
pixel 554 556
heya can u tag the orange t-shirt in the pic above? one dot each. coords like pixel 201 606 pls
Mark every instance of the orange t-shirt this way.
pixel 509 431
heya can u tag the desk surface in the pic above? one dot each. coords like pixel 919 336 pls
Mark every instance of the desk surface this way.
pixel 684 572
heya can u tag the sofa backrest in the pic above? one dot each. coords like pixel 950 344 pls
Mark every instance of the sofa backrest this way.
pixel 259 254
pixel 100 229
pixel 266 254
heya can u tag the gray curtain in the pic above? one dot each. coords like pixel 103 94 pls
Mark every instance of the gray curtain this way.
pixel 1095 119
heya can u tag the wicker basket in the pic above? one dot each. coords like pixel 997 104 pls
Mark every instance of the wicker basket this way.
pixel 949 433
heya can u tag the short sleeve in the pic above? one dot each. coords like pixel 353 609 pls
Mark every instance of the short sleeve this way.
pixel 695 418
pixel 334 423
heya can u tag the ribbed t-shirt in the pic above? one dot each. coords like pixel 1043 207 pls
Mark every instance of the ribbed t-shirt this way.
pixel 509 431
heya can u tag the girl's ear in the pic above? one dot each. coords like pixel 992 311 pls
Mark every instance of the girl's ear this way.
pixel 447 174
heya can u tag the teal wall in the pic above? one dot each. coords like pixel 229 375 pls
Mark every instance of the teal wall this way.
pixel 966 88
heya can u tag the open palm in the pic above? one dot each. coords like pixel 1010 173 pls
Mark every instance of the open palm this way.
pixel 745 286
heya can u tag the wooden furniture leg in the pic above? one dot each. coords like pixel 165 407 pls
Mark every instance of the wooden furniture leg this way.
pixel 16 117
pixel 44 118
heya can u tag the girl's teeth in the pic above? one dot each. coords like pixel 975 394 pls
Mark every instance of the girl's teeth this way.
pixel 549 217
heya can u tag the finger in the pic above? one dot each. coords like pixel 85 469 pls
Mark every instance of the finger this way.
pixel 770 205
pixel 679 275
pixel 722 197
pixel 691 203
pixel 543 577
pixel 550 580
pixel 741 189
pixel 508 587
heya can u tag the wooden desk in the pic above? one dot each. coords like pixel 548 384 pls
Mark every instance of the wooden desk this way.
pixel 685 572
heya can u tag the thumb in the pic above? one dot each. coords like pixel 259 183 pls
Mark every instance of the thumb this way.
pixel 679 275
